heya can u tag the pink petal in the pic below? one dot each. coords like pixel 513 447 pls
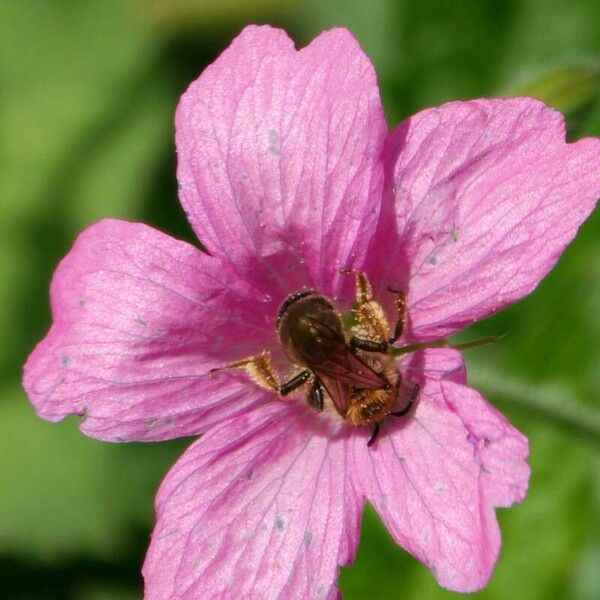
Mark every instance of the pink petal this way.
pixel 279 157
pixel 434 363
pixel 487 196
pixel 501 449
pixel 260 507
pixel 434 479
pixel 139 320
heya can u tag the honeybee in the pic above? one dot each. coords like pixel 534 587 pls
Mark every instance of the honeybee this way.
pixel 353 368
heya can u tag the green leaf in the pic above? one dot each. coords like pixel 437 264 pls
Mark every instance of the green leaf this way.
pixel 63 494
pixel 567 89
pixel 87 121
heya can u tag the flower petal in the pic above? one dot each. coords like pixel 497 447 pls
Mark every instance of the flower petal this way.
pixel 501 449
pixel 278 157
pixel 139 320
pixel 260 507
pixel 435 480
pixel 487 196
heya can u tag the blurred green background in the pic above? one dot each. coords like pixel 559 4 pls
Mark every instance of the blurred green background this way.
pixel 87 95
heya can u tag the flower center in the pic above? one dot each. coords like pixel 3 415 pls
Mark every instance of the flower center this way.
pixel 345 363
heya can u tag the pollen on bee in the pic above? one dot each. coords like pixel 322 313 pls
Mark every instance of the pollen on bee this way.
pixel 259 369
pixel 343 365
pixel 369 406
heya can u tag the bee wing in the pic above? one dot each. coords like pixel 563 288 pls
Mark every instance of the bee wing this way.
pixel 351 371
pixel 342 372
pixel 337 391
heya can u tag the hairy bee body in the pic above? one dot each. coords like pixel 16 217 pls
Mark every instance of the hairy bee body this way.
pixel 350 370
pixel 371 406
pixel 363 386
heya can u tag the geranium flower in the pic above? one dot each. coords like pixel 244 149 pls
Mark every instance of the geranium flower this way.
pixel 287 173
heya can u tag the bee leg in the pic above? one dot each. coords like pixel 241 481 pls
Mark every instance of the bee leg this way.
pixel 371 322
pixel 400 314
pixel 364 292
pixel 373 436
pixel 258 368
pixel 368 345
pixel 294 383
pixel 411 400
pixel 315 396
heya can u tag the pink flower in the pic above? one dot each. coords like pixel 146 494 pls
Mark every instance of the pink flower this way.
pixel 287 173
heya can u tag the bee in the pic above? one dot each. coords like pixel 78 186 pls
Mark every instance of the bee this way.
pixel 352 368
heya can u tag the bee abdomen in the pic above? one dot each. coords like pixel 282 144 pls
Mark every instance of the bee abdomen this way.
pixel 368 407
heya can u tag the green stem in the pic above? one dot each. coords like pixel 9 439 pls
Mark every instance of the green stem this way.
pixel 444 343
pixel 546 403
pixel 421 346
